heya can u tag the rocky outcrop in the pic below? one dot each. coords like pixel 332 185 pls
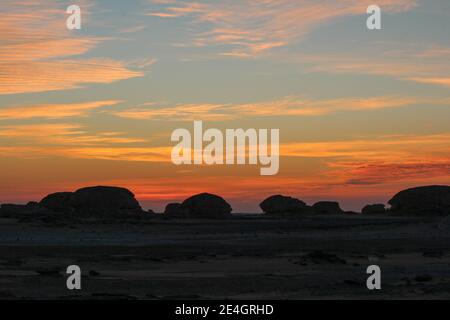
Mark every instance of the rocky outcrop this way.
pixel 422 201
pixel 373 209
pixel 327 207
pixel 206 205
pixel 57 202
pixel 95 202
pixel 104 199
pixel 282 205
pixel 176 210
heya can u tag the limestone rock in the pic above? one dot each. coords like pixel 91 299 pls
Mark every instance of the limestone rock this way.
pixel 327 207
pixel 279 204
pixel 422 201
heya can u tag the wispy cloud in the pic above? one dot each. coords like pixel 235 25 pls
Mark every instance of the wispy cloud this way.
pixel 36 46
pixel 53 111
pixel 430 66
pixel 385 148
pixel 289 106
pixel 251 28
pixel 39 76
pixel 379 160
pixel 438 81
pixel 61 135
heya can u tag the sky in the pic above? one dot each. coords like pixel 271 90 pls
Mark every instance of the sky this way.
pixel 362 113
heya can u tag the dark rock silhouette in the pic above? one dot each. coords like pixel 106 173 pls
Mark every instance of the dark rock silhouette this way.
pixel 279 204
pixel 93 201
pixel 374 209
pixel 206 205
pixel 57 202
pixel 104 198
pixel 422 201
pixel 176 210
pixel 327 207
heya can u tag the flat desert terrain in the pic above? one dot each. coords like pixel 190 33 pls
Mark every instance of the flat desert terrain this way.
pixel 246 257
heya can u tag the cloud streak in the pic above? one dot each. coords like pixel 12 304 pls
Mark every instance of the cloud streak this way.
pixel 252 28
pixel 53 111
pixel 35 51
pixel 288 106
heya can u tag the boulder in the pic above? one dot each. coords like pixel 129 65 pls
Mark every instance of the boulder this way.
pixel 374 209
pixel 422 201
pixel 104 198
pixel 176 210
pixel 206 205
pixel 57 202
pixel 327 207
pixel 279 204
pixel 93 202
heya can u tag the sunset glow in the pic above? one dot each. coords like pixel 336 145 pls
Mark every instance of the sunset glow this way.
pixel 362 114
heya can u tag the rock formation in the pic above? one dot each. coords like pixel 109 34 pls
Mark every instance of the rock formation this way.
pixel 374 209
pixel 57 202
pixel 422 201
pixel 176 210
pixel 96 202
pixel 283 205
pixel 105 200
pixel 206 205
pixel 327 207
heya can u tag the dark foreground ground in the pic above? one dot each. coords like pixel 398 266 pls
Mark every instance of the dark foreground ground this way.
pixel 248 258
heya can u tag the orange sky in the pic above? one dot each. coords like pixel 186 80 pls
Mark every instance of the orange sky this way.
pixel 362 114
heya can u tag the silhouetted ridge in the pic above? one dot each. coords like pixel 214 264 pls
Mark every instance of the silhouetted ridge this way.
pixel 114 202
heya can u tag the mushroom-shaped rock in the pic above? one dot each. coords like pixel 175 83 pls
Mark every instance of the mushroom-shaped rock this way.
pixel 176 210
pixel 422 201
pixel 206 205
pixel 57 202
pixel 108 200
pixel 327 207
pixel 374 209
pixel 279 204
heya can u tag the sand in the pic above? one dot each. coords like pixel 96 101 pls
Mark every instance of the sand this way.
pixel 248 257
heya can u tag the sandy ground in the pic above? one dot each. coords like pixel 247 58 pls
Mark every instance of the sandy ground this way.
pixel 251 258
